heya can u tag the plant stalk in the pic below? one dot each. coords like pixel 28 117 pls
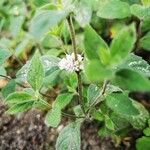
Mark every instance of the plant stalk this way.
pixel 72 34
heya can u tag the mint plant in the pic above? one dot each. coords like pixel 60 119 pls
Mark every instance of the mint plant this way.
pixel 93 75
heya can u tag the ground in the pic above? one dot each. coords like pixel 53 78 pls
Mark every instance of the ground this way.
pixel 27 131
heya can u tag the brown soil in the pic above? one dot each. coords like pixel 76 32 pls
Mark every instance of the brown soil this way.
pixel 28 132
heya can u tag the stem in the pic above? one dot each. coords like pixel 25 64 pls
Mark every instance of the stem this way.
pixel 6 77
pixel 40 49
pixel 104 87
pixel 70 115
pixel 139 34
pixel 72 34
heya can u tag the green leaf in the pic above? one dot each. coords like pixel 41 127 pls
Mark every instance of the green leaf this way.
pixel 78 111
pixel 109 123
pixel 41 104
pixel 121 104
pixel 96 71
pixel 104 132
pixel 146 2
pixel 2 71
pixel 131 80
pixel 18 97
pixel 93 94
pixel 146 131
pixel 143 143
pixel 53 117
pixel 4 55
pixel 139 121
pixel 40 2
pixel 51 79
pixel 9 88
pixel 83 12
pixel 97 114
pixel 45 20
pixel 144 41
pixel 63 100
pixel 36 73
pixel 16 25
pixel 112 9
pixel 22 107
pixel 69 137
pixel 111 89
pixel 95 46
pixel 140 11
pixel 122 44
pixel 145 26
pixel 50 63
pixel 136 63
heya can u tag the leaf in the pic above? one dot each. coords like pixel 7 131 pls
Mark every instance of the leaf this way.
pixel 145 26
pixel 9 88
pixel 69 137
pixel 51 79
pixel 83 12
pixel 97 114
pixel 41 104
pixel 146 2
pixel 113 9
pixel 144 41
pixel 146 131
pixel 4 55
pixel 53 117
pixel 122 44
pixel 140 11
pixel 136 63
pixel 109 123
pixel 36 73
pixel 131 80
pixel 16 25
pixel 50 64
pixel 40 3
pixel 22 107
pixel 95 46
pixel 18 97
pixel 143 142
pixel 93 94
pixel 78 111
pixel 139 121
pixel 96 71
pixel 45 20
pixel 63 100
pixel 121 104
pixel 111 89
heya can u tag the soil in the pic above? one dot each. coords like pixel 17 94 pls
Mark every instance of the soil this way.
pixel 27 131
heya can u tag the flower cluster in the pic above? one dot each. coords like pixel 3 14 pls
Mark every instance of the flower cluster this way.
pixel 70 64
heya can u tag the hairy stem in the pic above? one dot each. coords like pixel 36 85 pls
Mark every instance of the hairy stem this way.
pixel 72 34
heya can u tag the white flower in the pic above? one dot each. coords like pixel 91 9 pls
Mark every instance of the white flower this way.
pixel 70 64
